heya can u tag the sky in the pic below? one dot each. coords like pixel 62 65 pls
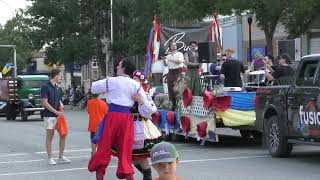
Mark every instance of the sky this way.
pixel 8 8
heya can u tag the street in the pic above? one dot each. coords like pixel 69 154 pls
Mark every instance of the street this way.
pixel 23 156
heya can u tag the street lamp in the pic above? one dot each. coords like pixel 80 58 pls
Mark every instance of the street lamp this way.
pixel 250 15
pixel 14 57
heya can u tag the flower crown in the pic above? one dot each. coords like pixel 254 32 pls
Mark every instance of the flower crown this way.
pixel 141 76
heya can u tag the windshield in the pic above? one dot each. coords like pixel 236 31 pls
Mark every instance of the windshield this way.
pixel 34 83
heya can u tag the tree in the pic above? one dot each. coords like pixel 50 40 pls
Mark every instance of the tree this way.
pixel 298 17
pixel 14 32
pixel 57 24
pixel 295 15
pixel 133 20
pixel 94 17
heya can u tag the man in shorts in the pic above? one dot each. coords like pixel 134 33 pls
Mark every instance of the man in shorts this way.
pixel 51 101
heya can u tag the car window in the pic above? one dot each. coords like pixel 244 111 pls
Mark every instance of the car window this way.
pixel 33 84
pixel 307 73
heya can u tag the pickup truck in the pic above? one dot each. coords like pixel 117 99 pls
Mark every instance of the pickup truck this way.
pixel 289 113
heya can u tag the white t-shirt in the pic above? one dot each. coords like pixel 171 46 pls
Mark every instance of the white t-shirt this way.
pixel 177 56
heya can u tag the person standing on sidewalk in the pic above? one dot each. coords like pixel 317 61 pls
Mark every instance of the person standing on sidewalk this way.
pixel 51 101
pixel 191 58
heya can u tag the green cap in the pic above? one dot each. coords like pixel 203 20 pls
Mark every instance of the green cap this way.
pixel 163 152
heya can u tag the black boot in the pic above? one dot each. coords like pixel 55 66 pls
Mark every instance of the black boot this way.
pixel 147 174
pixel 138 166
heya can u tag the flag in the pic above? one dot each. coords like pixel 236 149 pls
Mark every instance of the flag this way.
pixel 6 69
pixel 153 46
pixel 215 33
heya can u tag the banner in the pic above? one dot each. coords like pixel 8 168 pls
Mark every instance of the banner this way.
pixel 182 36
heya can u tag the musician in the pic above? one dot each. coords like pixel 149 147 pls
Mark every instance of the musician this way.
pixel 192 61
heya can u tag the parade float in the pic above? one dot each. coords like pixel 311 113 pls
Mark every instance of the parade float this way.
pixel 198 116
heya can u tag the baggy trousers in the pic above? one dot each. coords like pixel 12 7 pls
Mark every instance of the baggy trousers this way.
pixel 117 130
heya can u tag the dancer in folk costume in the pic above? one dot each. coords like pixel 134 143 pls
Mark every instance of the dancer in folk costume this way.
pixel 118 125
pixel 147 134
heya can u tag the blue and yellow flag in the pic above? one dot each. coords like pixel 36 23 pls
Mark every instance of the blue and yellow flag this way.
pixel 6 69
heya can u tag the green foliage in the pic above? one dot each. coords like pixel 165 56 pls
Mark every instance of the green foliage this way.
pixel 298 17
pixel 184 10
pixel 132 22
pixel 15 32
pixel 57 25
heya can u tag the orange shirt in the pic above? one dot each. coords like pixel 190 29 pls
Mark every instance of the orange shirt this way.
pixel 96 109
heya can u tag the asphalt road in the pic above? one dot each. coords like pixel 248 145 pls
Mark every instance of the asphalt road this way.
pixel 23 157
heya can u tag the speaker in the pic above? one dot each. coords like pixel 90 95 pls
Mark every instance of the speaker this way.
pixel 207 52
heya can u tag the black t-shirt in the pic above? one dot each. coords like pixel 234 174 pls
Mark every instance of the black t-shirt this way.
pixel 283 71
pixel 231 70
pixel 53 94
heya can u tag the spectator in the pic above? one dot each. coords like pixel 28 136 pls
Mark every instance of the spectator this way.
pixel 51 101
pixel 164 159
pixel 97 109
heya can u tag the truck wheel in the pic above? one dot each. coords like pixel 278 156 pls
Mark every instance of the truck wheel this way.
pixel 13 115
pixel 8 112
pixel 24 115
pixel 276 139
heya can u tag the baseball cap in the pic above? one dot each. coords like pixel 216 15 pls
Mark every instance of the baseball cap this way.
pixel 163 152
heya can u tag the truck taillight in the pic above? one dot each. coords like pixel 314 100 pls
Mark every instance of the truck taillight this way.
pixel 255 102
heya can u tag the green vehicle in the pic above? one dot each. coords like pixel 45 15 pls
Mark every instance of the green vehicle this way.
pixel 21 96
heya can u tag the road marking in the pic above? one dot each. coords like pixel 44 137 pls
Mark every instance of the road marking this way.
pixel 17 154
pixel 223 159
pixel 49 171
pixel 71 150
pixel 113 166
pixel 85 150
pixel 37 160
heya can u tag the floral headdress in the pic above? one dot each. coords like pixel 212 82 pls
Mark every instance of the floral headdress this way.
pixel 141 76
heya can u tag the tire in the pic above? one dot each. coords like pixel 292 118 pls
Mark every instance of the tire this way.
pixel 8 112
pixel 276 140
pixel 14 115
pixel 24 115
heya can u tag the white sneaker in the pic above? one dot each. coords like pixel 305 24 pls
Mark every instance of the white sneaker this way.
pixel 63 160
pixel 51 161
